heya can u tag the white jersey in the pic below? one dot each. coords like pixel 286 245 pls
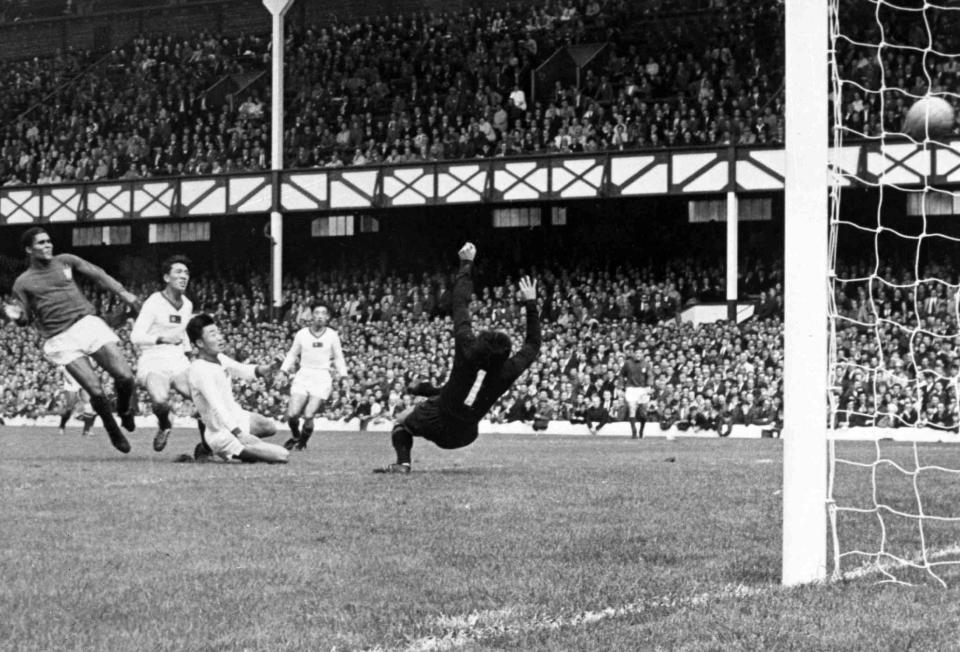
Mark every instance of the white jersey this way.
pixel 160 318
pixel 211 388
pixel 316 353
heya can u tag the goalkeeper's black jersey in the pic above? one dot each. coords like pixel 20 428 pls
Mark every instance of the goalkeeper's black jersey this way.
pixel 470 391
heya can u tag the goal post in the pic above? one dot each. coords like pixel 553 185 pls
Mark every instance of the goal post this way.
pixel 806 268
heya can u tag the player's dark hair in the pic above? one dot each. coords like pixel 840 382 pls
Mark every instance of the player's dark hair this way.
pixel 491 350
pixel 26 240
pixel 168 264
pixel 320 304
pixel 196 325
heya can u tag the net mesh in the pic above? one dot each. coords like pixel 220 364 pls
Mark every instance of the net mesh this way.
pixel 893 291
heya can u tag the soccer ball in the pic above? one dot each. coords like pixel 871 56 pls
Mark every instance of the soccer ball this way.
pixel 940 114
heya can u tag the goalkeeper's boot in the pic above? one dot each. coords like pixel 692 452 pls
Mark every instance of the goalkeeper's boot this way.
pixel 290 443
pixel 394 468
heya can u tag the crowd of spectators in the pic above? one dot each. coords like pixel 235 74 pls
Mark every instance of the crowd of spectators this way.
pixel 898 363
pixel 897 360
pixel 428 86
pixel 14 11
pixel 396 329
pixel 449 85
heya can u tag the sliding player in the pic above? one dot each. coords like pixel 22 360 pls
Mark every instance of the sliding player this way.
pixel 160 333
pixel 316 347
pixel 65 319
pixel 482 372
pixel 228 426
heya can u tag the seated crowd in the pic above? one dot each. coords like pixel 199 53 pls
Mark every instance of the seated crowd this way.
pixel 398 329
pixel 432 86
pixel 447 85
pixel 897 356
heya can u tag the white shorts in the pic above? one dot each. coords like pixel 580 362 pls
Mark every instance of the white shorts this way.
pixel 637 395
pixel 168 366
pixel 312 382
pixel 86 336
pixel 226 444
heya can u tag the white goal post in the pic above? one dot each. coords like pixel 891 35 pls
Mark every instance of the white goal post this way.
pixel 806 268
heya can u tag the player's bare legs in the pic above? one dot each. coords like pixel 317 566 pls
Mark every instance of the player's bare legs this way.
pixel 158 388
pixel 111 359
pixel 261 426
pixel 632 419
pixel 84 373
pixel 69 404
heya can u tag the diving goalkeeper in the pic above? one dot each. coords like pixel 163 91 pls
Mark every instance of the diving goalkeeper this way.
pixel 483 370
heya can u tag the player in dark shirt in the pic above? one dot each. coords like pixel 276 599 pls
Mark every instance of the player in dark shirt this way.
pixel 65 319
pixel 483 371
pixel 637 394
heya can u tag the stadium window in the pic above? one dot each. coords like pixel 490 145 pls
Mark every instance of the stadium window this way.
pixel 508 218
pixel 332 226
pixel 751 209
pixel 95 236
pixel 369 224
pixel 558 215
pixel 932 203
pixel 179 232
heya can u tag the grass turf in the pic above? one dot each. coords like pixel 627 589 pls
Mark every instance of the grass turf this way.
pixel 531 543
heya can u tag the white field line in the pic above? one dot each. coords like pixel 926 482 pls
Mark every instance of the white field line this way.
pixel 463 630
pixel 471 628
pixel 872 568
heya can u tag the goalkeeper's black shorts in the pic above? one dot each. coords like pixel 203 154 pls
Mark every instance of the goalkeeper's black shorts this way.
pixel 428 421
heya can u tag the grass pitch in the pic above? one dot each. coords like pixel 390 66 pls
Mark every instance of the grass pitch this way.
pixel 521 543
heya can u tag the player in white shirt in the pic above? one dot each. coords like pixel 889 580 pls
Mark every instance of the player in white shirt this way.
pixel 228 425
pixel 160 333
pixel 316 348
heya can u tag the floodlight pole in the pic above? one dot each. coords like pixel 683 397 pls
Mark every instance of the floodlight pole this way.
pixel 278 10
pixel 806 266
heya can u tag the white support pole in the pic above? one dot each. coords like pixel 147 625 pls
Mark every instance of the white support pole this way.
pixel 278 10
pixel 806 267
pixel 733 253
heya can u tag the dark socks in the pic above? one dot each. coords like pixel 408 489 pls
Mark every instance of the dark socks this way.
pixel 101 406
pixel 402 443
pixel 307 430
pixel 633 427
pixel 163 416
pixel 294 427
pixel 125 388
pixel 88 420
pixel 64 418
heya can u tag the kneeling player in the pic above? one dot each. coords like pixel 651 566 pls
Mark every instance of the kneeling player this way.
pixel 482 372
pixel 160 333
pixel 228 426
pixel 317 347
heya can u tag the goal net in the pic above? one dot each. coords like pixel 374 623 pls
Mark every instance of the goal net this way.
pixel 893 489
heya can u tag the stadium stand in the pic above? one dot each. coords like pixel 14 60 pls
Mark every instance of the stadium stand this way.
pixel 450 85
pixel 393 89
pixel 590 314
